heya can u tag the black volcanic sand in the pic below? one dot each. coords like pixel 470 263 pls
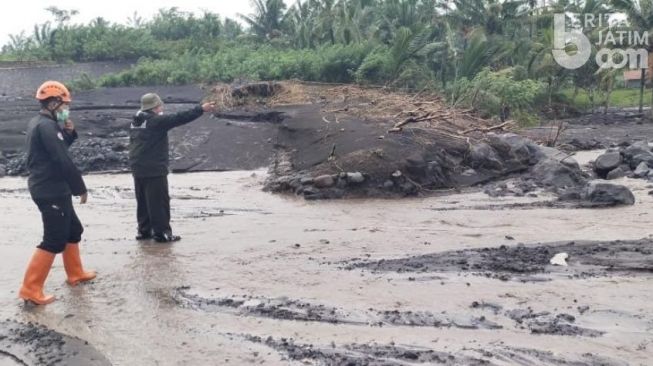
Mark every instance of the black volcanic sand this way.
pixel 102 118
pixel 29 344
pixel 586 258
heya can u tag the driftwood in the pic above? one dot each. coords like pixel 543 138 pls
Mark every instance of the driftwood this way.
pixel 488 129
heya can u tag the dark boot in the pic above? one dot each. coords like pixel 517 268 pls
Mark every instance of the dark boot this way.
pixel 166 238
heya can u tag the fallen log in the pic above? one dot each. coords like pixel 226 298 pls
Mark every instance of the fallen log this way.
pixel 488 129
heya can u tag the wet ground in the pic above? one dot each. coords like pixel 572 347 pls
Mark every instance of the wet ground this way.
pixel 266 279
pixel 458 278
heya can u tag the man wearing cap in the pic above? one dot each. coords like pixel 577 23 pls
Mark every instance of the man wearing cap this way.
pixel 148 157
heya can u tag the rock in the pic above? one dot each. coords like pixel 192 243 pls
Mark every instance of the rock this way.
pixel 617 173
pixel 470 177
pixel 409 189
pixel 356 177
pixel 642 170
pixel 397 174
pixel 516 152
pixel 435 174
pixel 599 194
pixel 308 191
pixel 306 181
pixel 483 156
pixel 636 160
pixel 572 194
pixel 415 165
pixel 637 148
pixel 552 173
pixel 324 181
pixel 388 184
pixel 3 171
pixel 607 162
pixel 638 152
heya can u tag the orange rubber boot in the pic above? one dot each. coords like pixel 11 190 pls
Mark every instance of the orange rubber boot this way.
pixel 37 271
pixel 73 265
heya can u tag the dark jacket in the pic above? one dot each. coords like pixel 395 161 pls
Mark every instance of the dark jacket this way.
pixel 148 140
pixel 52 172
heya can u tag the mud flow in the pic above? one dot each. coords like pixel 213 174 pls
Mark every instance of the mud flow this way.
pixel 261 278
pixel 340 226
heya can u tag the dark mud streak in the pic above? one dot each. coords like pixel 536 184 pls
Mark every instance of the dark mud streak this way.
pixel 586 259
pixel 526 356
pixel 393 355
pixel 364 355
pixel 31 344
pixel 13 357
pixel 546 323
pixel 512 206
pixel 287 309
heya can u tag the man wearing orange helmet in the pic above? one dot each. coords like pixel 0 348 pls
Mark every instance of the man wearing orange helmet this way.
pixel 53 180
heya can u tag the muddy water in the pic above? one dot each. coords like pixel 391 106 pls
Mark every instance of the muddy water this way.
pixel 256 265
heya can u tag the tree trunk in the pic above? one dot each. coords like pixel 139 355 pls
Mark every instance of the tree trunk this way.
pixel 641 91
pixel 651 111
pixel 607 97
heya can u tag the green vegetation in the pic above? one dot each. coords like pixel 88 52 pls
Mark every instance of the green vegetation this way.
pixel 492 55
pixel 619 98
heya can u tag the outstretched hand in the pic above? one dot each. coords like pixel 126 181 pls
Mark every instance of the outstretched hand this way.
pixel 83 198
pixel 209 107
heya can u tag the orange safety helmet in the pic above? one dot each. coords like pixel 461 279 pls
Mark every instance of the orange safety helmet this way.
pixel 53 89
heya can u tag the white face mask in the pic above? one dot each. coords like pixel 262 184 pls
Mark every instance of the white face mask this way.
pixel 160 113
pixel 62 115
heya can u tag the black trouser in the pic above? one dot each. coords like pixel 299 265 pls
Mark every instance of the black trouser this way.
pixel 153 205
pixel 60 223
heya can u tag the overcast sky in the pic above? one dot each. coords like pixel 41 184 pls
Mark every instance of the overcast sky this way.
pixel 23 14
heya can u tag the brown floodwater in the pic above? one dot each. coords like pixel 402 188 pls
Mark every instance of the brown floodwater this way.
pixel 240 242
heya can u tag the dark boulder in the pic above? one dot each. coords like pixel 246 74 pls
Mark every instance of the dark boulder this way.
pixel 607 162
pixel 617 173
pixel 599 194
pixel 555 174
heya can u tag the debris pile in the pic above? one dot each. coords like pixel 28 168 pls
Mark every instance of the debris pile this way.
pixel 347 141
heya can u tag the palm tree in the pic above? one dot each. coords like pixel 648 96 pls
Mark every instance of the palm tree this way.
pixel 61 16
pixel 494 16
pixel 299 21
pixel 355 18
pixel 267 18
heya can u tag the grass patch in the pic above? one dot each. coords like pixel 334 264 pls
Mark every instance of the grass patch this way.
pixel 621 98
